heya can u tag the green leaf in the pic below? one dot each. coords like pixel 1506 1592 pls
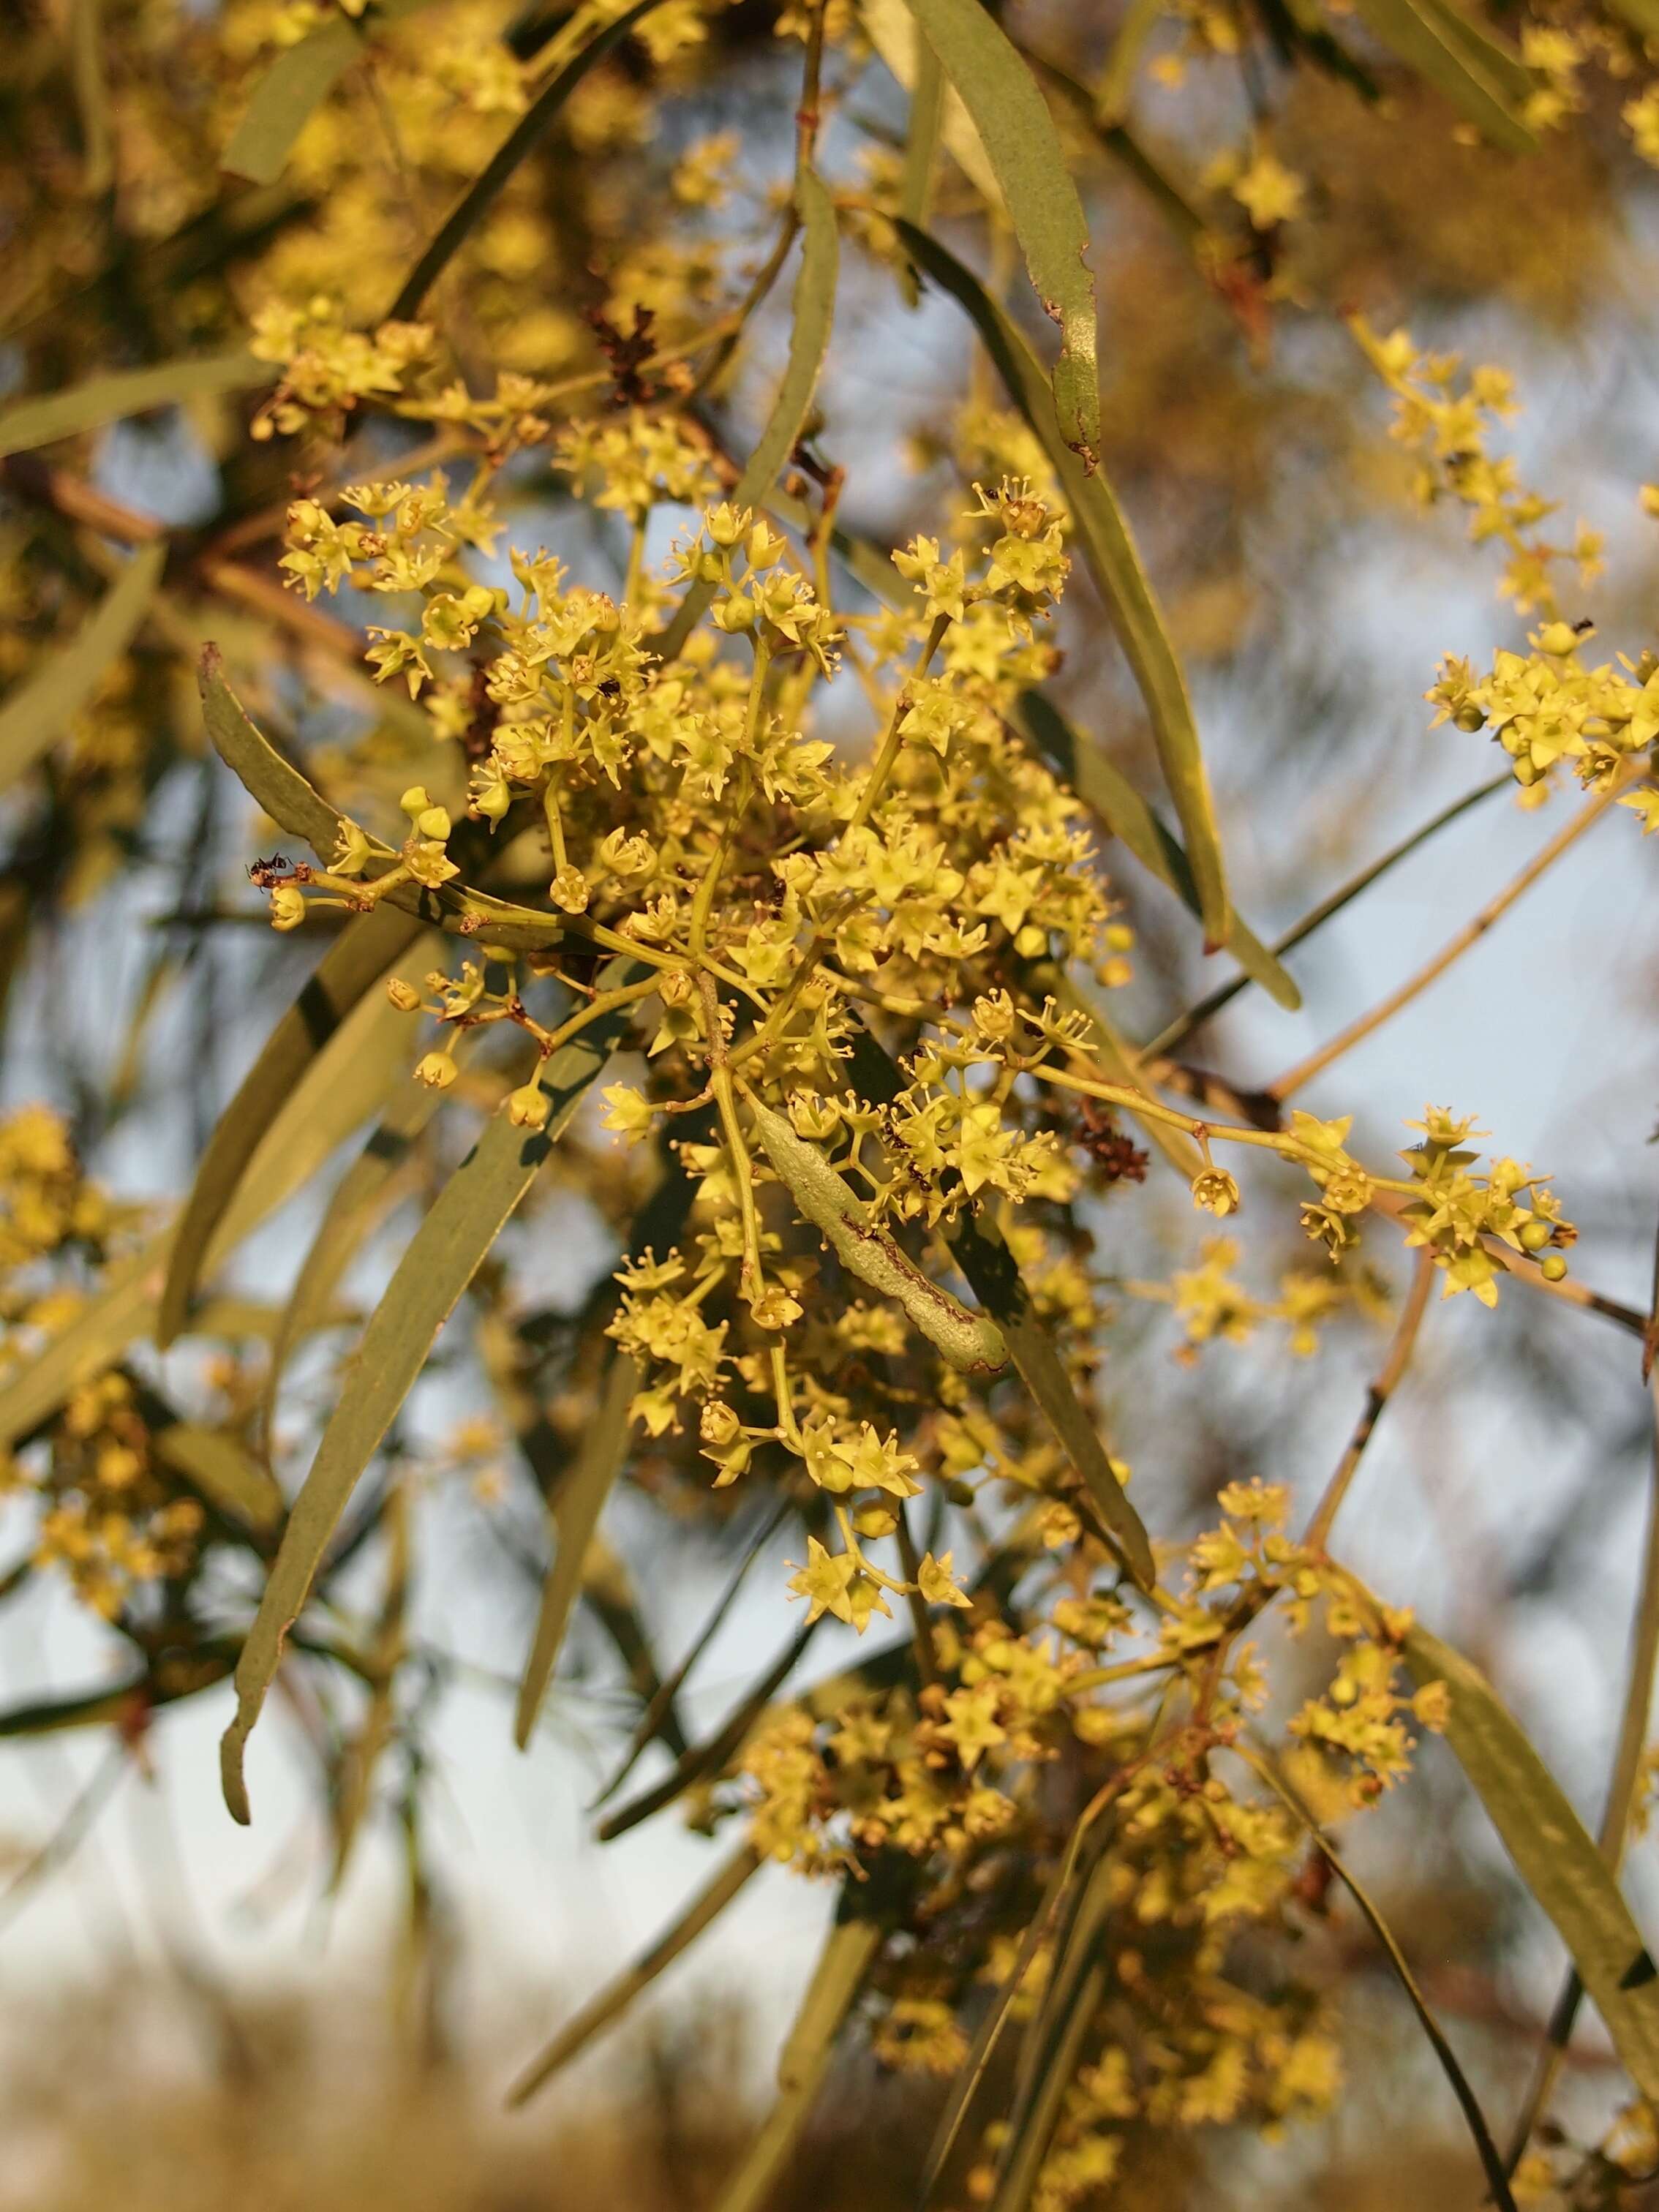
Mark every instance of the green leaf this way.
pixel 125 1305
pixel 576 1513
pixel 41 707
pixel 295 85
pixel 1486 2149
pixel 31 422
pixel 86 43
pixel 444 1254
pixel 1114 564
pixel 350 1212
pixel 1457 60
pixel 314 1025
pixel 224 1472
pixel 936 109
pixel 979 1250
pixel 845 1958
pixel 715 1752
pixel 1642 15
pixel 483 193
pixel 1486 55
pixel 1127 816
pixel 597 2015
pixel 814 305
pixel 1019 135
pixel 1553 1855
pixel 295 804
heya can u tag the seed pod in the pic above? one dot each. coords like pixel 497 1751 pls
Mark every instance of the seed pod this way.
pixel 970 1342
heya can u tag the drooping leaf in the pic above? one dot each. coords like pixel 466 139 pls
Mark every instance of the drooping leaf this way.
pixel 1457 60
pixel 445 1253
pixel 813 302
pixel 653 1721
pixel 362 1755
pixel 1115 564
pixel 125 1306
pixel 39 711
pixel 224 1472
pixel 612 2002
pixel 295 85
pixel 1019 135
pixel 296 806
pixel 936 109
pixel 980 1251
pixel 87 42
pixel 315 1025
pixel 1053 2042
pixel 845 1958
pixel 576 1514
pixel 28 423
pixel 714 1752
pixel 352 1208
pixel 521 142
pixel 1553 1855
pixel 1127 816
pixel 1491 2162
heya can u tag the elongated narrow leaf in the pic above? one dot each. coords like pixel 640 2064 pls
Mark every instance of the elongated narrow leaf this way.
pixel 979 1250
pixel 715 1752
pixel 38 712
pixel 576 1515
pixel 351 1211
pixel 1053 2042
pixel 296 806
pixel 1019 135
pixel 178 1675
pixel 526 135
pixel 1492 2163
pixel 1487 55
pixel 223 1471
pixel 362 1755
pixel 1642 15
pixel 125 1305
pixel 445 1253
pixel 295 85
pixel 845 1960
pixel 1450 58
pixel 1115 564
pixel 936 108
pixel 1553 1855
pixel 28 423
pixel 705 1908
pixel 1123 1063
pixel 87 44
pixel 316 1022
pixel 1127 816
pixel 814 305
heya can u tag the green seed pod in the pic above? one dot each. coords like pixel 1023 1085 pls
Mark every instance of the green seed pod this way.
pixel 970 1342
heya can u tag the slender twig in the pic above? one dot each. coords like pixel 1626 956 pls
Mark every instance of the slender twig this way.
pixel 1170 1038
pixel 1296 1078
pixel 1318 1531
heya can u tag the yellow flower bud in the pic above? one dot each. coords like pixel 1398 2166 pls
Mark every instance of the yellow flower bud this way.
pixel 437 1071
pixel 404 996
pixel 1215 1192
pixel 568 890
pixel 287 906
pixel 528 1107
